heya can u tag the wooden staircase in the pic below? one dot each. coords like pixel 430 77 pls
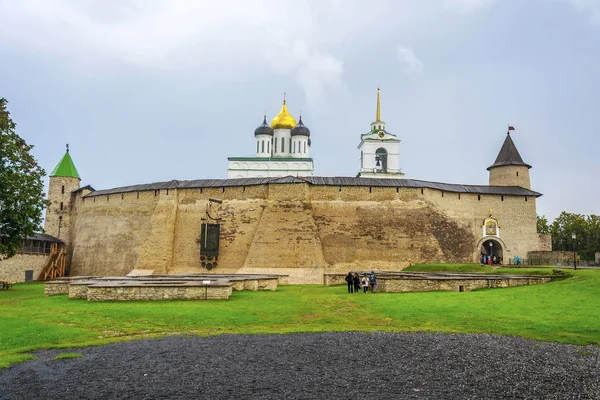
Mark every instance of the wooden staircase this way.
pixel 55 266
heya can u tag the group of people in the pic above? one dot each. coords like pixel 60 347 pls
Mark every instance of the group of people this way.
pixel 355 282
pixel 489 260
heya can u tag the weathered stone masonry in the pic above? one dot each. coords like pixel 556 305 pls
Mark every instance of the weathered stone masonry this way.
pixel 301 229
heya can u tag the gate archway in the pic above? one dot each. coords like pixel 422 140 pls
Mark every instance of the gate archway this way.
pixel 491 246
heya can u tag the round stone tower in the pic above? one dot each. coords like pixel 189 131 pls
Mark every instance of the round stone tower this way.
pixel 509 168
pixel 64 180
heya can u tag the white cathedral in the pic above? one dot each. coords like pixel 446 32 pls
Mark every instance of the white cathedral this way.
pixel 282 149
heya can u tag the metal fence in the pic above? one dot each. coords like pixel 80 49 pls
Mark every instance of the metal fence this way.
pixel 555 262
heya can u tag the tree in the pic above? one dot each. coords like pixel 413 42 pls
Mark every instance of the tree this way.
pixel 587 234
pixel 21 187
pixel 542 224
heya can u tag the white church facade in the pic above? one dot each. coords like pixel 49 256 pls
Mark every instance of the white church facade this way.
pixel 282 149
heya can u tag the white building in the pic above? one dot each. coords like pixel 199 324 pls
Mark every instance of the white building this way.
pixel 379 157
pixel 281 150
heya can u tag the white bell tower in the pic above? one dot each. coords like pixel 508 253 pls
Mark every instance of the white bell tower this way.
pixel 379 157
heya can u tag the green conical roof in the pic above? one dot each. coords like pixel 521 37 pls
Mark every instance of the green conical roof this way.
pixel 66 167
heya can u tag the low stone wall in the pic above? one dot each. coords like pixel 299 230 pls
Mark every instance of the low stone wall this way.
pixel 391 285
pixel 62 285
pixel 13 269
pixel 159 287
pixel 110 292
pixel 53 288
pixel 396 282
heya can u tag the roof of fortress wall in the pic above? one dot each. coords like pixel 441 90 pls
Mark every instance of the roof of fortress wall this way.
pixel 322 181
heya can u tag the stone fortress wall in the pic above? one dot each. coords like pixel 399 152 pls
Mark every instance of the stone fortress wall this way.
pixel 299 229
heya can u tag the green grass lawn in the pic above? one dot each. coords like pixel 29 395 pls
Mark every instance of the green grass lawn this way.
pixel 562 311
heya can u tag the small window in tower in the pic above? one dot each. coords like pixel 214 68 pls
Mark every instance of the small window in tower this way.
pixel 421 190
pixel 305 147
pixel 61 206
pixel 257 146
pixel 370 189
pixel 200 190
pixel 262 149
pixel 283 145
pixel 275 143
pixel 63 189
pixel 525 198
pixel 442 193
pixel 268 147
pixel 517 173
pixel 290 145
pixel 243 188
pixel 138 195
pixel 478 197
pixel 122 196
pixel 459 196
pixel 502 197
pixel 339 189
pixel 223 191
pixel 167 192
pixel 107 197
pixel 397 190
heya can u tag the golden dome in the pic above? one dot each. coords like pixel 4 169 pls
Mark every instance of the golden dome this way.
pixel 283 120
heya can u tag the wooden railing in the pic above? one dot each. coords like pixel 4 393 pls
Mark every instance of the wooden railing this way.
pixel 55 266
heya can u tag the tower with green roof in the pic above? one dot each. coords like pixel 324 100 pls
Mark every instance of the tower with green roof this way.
pixel 64 180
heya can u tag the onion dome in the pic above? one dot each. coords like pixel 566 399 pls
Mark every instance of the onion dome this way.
pixel 283 120
pixel 264 129
pixel 300 129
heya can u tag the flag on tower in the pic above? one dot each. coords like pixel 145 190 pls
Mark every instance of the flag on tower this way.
pixel 511 128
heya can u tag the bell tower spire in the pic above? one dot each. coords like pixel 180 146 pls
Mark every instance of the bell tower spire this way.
pixel 378 117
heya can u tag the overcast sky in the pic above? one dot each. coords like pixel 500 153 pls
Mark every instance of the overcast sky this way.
pixel 153 90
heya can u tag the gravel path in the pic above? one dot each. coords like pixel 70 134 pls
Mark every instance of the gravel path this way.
pixel 313 366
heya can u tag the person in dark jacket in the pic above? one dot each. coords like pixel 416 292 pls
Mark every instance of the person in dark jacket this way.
pixel 356 281
pixel 350 280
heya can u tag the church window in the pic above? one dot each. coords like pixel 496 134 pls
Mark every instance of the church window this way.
pixel 63 189
pixel 339 189
pixel 200 190
pixel 61 206
pixel 268 147
pixel 257 146
pixel 517 173
pixel 525 198
pixel 459 196
pixel 107 197
pixel 263 146
pixel 138 195
pixel 294 148
pixel 243 188
pixel 275 143
pixel 167 192
pixel 397 190
pixel 478 197
pixel 223 190
pixel 305 147
pixel 122 196
pixel 421 190
pixel 442 193
pixel 501 197
pixel 370 189
pixel 283 145
pixel 290 144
